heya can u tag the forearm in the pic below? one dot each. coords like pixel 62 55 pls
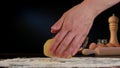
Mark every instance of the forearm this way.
pixel 99 6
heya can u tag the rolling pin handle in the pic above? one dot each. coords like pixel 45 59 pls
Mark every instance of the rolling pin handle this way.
pixel 88 52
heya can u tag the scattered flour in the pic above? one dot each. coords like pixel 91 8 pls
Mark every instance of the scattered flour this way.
pixel 59 62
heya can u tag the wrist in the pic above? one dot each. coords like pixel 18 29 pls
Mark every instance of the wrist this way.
pixel 98 6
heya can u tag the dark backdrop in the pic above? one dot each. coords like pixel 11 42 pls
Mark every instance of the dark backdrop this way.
pixel 29 22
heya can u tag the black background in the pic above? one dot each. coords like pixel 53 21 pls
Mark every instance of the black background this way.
pixel 22 37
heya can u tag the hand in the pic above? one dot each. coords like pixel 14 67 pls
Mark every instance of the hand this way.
pixel 73 27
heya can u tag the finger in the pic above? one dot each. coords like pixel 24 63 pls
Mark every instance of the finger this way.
pixel 75 45
pixel 65 43
pixel 66 54
pixel 77 42
pixel 57 40
pixel 58 25
pixel 68 51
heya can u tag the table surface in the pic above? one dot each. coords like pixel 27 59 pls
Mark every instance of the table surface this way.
pixel 37 62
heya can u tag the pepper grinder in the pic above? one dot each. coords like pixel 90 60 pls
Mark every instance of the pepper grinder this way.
pixel 113 27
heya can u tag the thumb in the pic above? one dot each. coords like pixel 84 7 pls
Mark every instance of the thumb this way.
pixel 57 26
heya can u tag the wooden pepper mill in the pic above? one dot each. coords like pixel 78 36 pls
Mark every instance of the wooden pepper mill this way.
pixel 113 27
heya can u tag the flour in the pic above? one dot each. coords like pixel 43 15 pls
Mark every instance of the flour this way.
pixel 59 62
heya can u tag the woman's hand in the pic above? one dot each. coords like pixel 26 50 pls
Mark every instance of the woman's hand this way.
pixel 72 29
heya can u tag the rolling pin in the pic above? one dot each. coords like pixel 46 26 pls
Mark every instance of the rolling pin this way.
pixel 103 51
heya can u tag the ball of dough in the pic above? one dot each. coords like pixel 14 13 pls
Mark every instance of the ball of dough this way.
pixel 47 46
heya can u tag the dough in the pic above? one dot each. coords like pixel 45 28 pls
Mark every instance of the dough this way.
pixel 47 48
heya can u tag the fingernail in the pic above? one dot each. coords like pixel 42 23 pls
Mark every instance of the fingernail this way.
pixel 53 28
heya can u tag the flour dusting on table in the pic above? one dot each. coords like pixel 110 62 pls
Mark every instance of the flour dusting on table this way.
pixel 59 62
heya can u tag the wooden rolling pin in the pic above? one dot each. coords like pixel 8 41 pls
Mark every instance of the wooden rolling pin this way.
pixel 104 51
